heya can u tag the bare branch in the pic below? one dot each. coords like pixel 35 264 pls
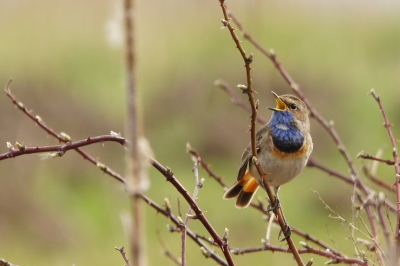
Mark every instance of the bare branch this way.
pixel 60 150
pixel 167 252
pixel 199 214
pixel 196 238
pixel 396 167
pixel 123 253
pixel 39 121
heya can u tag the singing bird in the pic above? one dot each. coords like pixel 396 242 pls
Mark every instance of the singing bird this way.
pixel 284 145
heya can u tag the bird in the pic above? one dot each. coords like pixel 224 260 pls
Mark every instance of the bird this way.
pixel 284 145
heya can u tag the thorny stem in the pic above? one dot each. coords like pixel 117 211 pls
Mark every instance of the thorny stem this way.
pixel 370 157
pixel 60 150
pixel 254 106
pixel 196 238
pixel 259 206
pixel 123 253
pixel 39 121
pixel 396 167
pixel 167 252
pixel 207 251
pixel 199 214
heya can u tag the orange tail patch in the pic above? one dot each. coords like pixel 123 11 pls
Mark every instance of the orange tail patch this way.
pixel 244 190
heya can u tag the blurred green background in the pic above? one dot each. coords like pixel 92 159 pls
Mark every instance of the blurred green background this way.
pixel 67 65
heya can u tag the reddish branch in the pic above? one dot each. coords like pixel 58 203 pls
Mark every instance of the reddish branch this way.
pixel 254 106
pixel 334 258
pixel 167 213
pixel 259 206
pixel 60 149
pixel 370 157
pixel 377 181
pixel 210 253
pixel 396 167
pixel 39 121
pixel 199 214
pixel 123 254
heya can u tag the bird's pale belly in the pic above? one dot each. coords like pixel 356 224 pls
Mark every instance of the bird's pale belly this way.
pixel 280 170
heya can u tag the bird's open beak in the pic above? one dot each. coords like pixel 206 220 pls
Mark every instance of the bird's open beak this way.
pixel 280 105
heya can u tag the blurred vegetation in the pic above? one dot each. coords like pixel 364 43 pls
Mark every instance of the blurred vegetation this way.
pixel 66 69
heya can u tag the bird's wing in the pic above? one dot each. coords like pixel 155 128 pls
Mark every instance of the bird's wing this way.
pixel 247 153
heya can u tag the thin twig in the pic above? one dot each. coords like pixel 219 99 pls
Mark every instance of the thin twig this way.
pixel 367 156
pixel 385 229
pixel 196 238
pixel 353 228
pixel 308 249
pixel 61 137
pixel 210 253
pixel 198 185
pixel 199 214
pixel 167 252
pixel 268 234
pixel 205 166
pixel 259 206
pixel 380 183
pixel 58 150
pixel 396 167
pixel 123 253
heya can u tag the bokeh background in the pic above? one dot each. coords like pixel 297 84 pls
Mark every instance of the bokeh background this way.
pixel 67 63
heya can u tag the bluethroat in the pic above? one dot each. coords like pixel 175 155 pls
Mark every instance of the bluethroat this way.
pixel 284 145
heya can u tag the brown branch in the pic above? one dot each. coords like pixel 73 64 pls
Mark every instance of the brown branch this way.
pixel 197 239
pixel 396 166
pixel 199 214
pixel 254 106
pixel 236 100
pixel 377 181
pixel 370 157
pixel 259 206
pixel 61 137
pixel 59 150
pixel 206 167
pixel 308 249
pixel 167 252
pixel 123 253
pixel 379 204
pixel 210 253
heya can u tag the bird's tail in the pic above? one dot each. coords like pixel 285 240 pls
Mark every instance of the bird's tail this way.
pixel 244 190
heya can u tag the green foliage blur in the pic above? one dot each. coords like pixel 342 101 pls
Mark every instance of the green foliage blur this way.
pixel 66 59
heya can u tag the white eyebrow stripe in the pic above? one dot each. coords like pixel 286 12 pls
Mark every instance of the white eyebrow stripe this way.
pixel 282 126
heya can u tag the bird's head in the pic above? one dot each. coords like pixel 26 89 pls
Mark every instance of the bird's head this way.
pixel 292 104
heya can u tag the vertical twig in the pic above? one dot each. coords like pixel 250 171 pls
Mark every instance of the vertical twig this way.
pixel 397 172
pixel 199 184
pixel 248 89
pixel 123 253
pixel 134 164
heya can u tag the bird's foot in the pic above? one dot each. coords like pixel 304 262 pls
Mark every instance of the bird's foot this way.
pixel 275 207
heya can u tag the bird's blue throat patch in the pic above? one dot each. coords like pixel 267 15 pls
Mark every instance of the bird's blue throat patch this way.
pixel 285 136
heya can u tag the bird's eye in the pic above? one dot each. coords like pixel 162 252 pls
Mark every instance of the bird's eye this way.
pixel 293 106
